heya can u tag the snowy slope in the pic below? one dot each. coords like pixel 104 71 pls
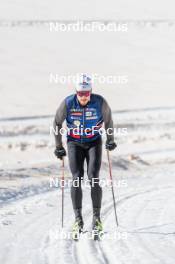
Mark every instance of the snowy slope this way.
pixel 97 9
pixel 145 54
pixel 143 169
pixel 143 165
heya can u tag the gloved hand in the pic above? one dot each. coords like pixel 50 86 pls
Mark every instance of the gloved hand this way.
pixel 110 145
pixel 60 152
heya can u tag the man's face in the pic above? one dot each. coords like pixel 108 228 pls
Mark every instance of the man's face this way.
pixel 83 97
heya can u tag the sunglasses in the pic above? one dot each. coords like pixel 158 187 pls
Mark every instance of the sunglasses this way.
pixel 81 94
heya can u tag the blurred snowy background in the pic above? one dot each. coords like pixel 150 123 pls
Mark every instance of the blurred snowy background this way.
pixel 145 53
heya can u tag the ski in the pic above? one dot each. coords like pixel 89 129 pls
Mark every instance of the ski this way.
pixel 76 235
pixel 97 235
pixel 77 230
pixel 97 230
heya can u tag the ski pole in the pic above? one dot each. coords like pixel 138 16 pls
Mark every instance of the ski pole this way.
pixel 112 188
pixel 62 190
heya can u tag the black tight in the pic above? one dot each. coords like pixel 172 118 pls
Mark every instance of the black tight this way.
pixel 77 154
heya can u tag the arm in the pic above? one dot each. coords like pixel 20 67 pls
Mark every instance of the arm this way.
pixel 58 120
pixel 107 117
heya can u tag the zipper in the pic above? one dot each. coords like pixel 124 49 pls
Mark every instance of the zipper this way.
pixel 83 125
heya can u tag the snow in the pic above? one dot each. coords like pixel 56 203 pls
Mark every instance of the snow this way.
pixel 97 9
pixel 143 165
pixel 143 172
pixel 145 54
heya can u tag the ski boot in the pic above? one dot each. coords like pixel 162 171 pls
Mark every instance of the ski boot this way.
pixel 78 225
pixel 97 228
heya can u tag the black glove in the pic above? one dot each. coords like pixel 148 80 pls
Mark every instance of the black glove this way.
pixel 60 152
pixel 110 145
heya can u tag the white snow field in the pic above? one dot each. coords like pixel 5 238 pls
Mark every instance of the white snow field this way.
pixel 29 54
pixel 122 9
pixel 143 165
pixel 143 172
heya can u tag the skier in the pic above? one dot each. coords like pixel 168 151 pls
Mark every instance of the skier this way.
pixel 85 113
